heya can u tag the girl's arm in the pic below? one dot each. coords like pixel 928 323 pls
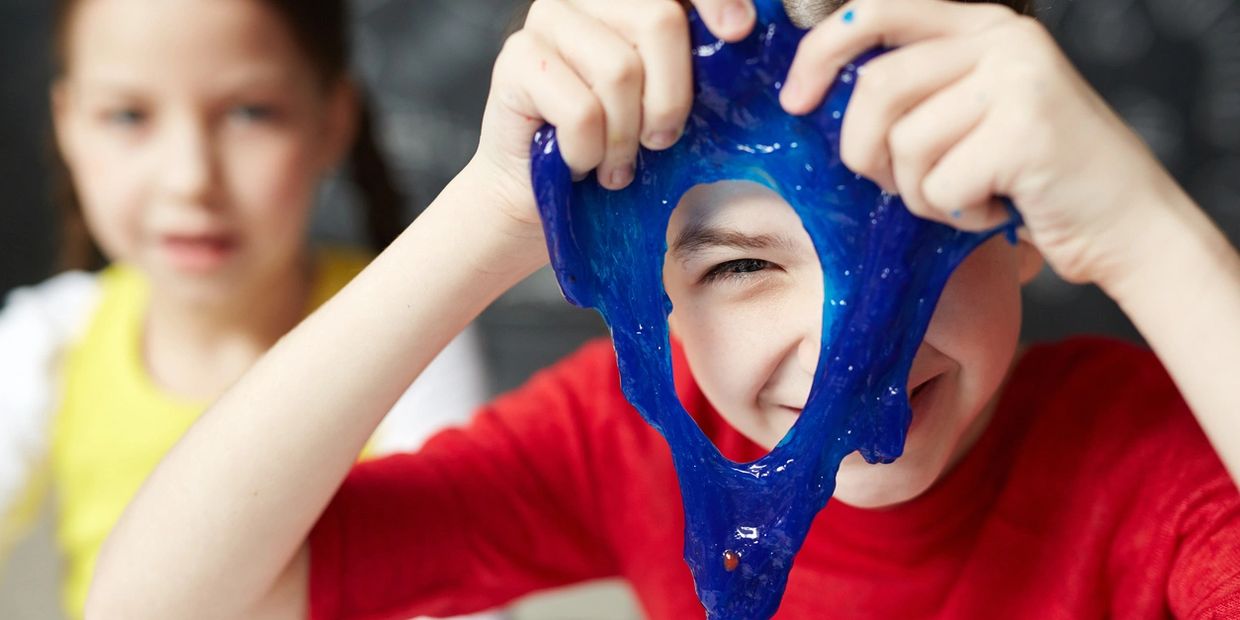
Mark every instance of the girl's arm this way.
pixel 979 102
pixel 218 530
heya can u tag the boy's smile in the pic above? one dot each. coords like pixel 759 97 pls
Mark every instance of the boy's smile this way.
pixel 747 291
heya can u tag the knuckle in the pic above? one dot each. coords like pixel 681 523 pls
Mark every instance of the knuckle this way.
pixel 905 143
pixel 621 70
pixel 935 193
pixel 873 79
pixel 666 17
pixel 880 11
pixel 537 12
pixel 993 12
pixel 1030 28
pixel 861 158
pixel 518 43
pixel 589 116
pixel 584 118
pixel 814 44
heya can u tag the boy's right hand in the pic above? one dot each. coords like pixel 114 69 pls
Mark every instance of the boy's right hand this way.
pixel 610 76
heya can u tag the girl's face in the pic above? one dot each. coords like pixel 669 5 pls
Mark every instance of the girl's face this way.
pixel 747 293
pixel 195 132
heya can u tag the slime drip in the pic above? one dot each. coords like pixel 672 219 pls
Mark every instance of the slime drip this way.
pixel 883 272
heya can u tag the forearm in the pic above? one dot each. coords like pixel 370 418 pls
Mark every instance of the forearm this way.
pixel 1183 294
pixel 226 511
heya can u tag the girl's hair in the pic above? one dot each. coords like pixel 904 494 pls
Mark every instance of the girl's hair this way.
pixel 320 29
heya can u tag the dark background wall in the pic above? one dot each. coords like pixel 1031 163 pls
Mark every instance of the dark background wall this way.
pixel 1170 67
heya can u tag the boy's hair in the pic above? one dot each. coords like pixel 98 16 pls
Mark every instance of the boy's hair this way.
pixel 320 30
pixel 806 13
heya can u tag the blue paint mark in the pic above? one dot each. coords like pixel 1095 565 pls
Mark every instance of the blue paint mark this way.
pixel 849 16
pixel 957 214
pixel 885 268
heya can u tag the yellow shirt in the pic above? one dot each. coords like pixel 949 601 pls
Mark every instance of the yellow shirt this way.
pixel 115 424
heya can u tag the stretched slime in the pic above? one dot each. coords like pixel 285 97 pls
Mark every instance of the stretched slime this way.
pixel 883 272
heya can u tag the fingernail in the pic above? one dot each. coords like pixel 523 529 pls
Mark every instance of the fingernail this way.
pixel 735 16
pixel 621 176
pixel 662 139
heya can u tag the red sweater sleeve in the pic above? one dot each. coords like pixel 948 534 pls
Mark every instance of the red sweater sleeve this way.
pixel 480 515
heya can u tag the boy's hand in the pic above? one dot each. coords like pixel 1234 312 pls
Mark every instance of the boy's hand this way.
pixel 609 75
pixel 979 102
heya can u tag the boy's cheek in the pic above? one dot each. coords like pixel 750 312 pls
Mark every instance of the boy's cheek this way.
pixel 1031 261
pixel 977 320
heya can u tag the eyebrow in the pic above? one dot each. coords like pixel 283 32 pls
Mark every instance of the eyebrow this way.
pixel 695 239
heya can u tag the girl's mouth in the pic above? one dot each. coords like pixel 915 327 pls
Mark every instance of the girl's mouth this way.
pixel 198 252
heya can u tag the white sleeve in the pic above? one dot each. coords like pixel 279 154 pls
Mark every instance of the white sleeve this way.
pixel 447 393
pixel 36 325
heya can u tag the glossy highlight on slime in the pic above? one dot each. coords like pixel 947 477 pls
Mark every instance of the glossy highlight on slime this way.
pixel 883 272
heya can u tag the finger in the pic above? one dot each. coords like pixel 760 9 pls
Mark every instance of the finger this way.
pixel 730 20
pixel 864 24
pixel 534 82
pixel 659 30
pixel 611 67
pixel 961 189
pixel 887 88
pixel 921 137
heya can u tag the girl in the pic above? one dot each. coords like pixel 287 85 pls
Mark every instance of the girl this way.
pixel 195 134
pixel 1071 480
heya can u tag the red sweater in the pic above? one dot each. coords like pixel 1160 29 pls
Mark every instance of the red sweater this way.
pixel 1093 493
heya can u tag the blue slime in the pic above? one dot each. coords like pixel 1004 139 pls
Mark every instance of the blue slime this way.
pixel 883 272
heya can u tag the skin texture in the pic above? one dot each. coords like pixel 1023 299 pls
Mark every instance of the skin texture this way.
pixel 257 470
pixel 196 134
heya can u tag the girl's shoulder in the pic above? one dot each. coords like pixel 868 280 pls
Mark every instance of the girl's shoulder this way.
pixel 37 324
pixel 39 321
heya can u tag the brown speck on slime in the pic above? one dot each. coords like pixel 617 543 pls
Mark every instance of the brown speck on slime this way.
pixel 731 560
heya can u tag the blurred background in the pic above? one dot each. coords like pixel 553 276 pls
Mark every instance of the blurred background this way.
pixel 1170 67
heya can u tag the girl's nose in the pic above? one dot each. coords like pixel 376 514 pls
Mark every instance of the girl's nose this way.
pixel 189 166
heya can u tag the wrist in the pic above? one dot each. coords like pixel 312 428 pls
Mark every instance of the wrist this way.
pixel 1171 249
pixel 503 237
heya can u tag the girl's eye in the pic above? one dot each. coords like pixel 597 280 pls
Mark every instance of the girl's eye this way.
pixel 125 117
pixel 252 113
pixel 735 269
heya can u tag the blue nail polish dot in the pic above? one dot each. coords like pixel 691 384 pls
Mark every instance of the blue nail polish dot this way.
pixel 849 16
pixel 883 271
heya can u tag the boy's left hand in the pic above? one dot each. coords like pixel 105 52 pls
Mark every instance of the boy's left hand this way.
pixel 978 102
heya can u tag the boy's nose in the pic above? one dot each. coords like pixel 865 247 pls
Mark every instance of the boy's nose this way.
pixel 809 348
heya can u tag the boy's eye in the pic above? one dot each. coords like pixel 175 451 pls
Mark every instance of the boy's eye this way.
pixel 735 269
pixel 252 113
